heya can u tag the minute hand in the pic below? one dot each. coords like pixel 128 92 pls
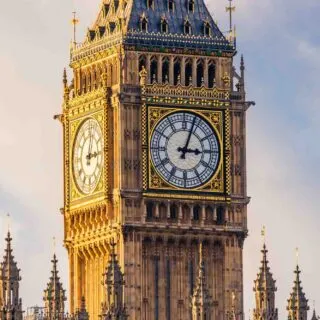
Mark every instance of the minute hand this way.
pixel 184 149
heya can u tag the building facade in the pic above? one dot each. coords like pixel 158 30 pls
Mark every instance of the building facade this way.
pixel 154 123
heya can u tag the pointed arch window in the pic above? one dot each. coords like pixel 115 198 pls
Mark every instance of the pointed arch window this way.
pixel 154 69
pixel 207 29
pixel 164 26
pixel 144 24
pixel 187 27
pixel 177 71
pixel 191 5
pixel 196 213
pixel 150 4
pixel 171 5
pixel 165 70
pixel 188 73
pixel 200 73
pixel 211 74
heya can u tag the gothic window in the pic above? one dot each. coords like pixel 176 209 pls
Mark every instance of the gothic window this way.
pixel 187 28
pixel 144 24
pixel 176 72
pixel 164 26
pixel 220 215
pixel 196 213
pixel 200 73
pixel 154 70
pixel 83 83
pixel 207 29
pixel 191 5
pixel 165 70
pixel 149 210
pixel 142 63
pixel 150 4
pixel 188 73
pixel 173 212
pixel 211 75
pixel 171 5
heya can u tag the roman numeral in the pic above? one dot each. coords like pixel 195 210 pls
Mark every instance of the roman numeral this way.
pixel 206 137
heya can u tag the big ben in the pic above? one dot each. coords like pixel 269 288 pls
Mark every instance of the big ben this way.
pixel 154 124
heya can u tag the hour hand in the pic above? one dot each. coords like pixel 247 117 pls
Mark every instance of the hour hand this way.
pixel 187 150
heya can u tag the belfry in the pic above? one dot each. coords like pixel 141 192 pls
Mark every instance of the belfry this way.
pixel 154 127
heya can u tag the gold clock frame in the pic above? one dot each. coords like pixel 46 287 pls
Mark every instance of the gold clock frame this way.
pixel 153 182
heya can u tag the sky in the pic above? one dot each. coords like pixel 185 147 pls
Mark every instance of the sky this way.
pixel 280 40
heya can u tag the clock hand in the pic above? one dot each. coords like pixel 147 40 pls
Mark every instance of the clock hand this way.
pixel 183 150
pixel 195 151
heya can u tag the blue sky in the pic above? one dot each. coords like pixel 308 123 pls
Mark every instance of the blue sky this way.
pixel 280 40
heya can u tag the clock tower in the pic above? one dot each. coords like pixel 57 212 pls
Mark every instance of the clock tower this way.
pixel 155 161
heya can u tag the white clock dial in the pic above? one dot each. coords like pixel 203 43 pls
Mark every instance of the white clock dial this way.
pixel 87 156
pixel 184 150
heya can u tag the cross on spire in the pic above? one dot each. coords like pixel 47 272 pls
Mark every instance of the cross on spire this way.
pixel 230 9
pixel 74 22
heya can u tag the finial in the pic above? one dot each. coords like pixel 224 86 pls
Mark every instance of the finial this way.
pixel 230 9
pixel 8 222
pixel 297 256
pixel 54 245
pixel 74 22
pixel 263 234
pixel 65 79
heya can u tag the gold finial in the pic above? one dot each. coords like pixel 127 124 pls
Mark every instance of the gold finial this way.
pixel 8 222
pixel 230 9
pixel 54 245
pixel 297 256
pixel 263 234
pixel 74 22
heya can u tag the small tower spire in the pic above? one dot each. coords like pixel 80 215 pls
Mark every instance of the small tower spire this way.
pixel 201 301
pixel 54 296
pixel 10 302
pixel 314 315
pixel 114 283
pixel 81 313
pixel 297 303
pixel 265 288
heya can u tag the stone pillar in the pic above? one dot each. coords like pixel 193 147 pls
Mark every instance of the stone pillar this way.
pixel 160 69
pixel 171 70
pixel 194 72
pixel 183 71
pixel 205 73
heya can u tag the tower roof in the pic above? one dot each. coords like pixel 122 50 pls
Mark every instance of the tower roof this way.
pixel 119 21
pixel 297 301
pixel 264 281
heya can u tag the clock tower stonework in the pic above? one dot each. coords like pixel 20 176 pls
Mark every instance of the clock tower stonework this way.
pixel 155 161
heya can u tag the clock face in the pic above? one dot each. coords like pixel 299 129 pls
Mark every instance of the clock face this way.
pixel 87 156
pixel 184 150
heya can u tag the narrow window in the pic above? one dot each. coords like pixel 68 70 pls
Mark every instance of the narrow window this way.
pixel 188 74
pixel 154 70
pixel 220 215
pixel 142 63
pixel 144 24
pixel 211 75
pixel 207 29
pixel 200 74
pixel 173 212
pixel 149 210
pixel 177 72
pixel 165 71
pixel 150 4
pixel 196 213
pixel 191 5
pixel 187 28
pixel 164 26
pixel 171 5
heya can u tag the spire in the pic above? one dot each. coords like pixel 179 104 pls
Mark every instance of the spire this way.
pixel 10 303
pixel 54 295
pixel 297 303
pixel 114 283
pixel 265 288
pixel 314 315
pixel 81 313
pixel 201 301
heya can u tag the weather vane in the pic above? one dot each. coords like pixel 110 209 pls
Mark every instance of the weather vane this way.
pixel 297 255
pixel 230 9
pixel 263 234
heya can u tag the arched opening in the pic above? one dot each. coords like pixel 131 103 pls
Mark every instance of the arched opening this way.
pixel 149 210
pixel 196 213
pixel 200 74
pixel 173 212
pixel 171 5
pixel 220 215
pixel 188 73
pixel 207 29
pixel 144 25
pixel 185 212
pixel 165 70
pixel 209 214
pixel 164 26
pixel 142 63
pixel 177 72
pixel 187 28
pixel 163 211
pixel 211 75
pixel 191 5
pixel 150 4
pixel 154 70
